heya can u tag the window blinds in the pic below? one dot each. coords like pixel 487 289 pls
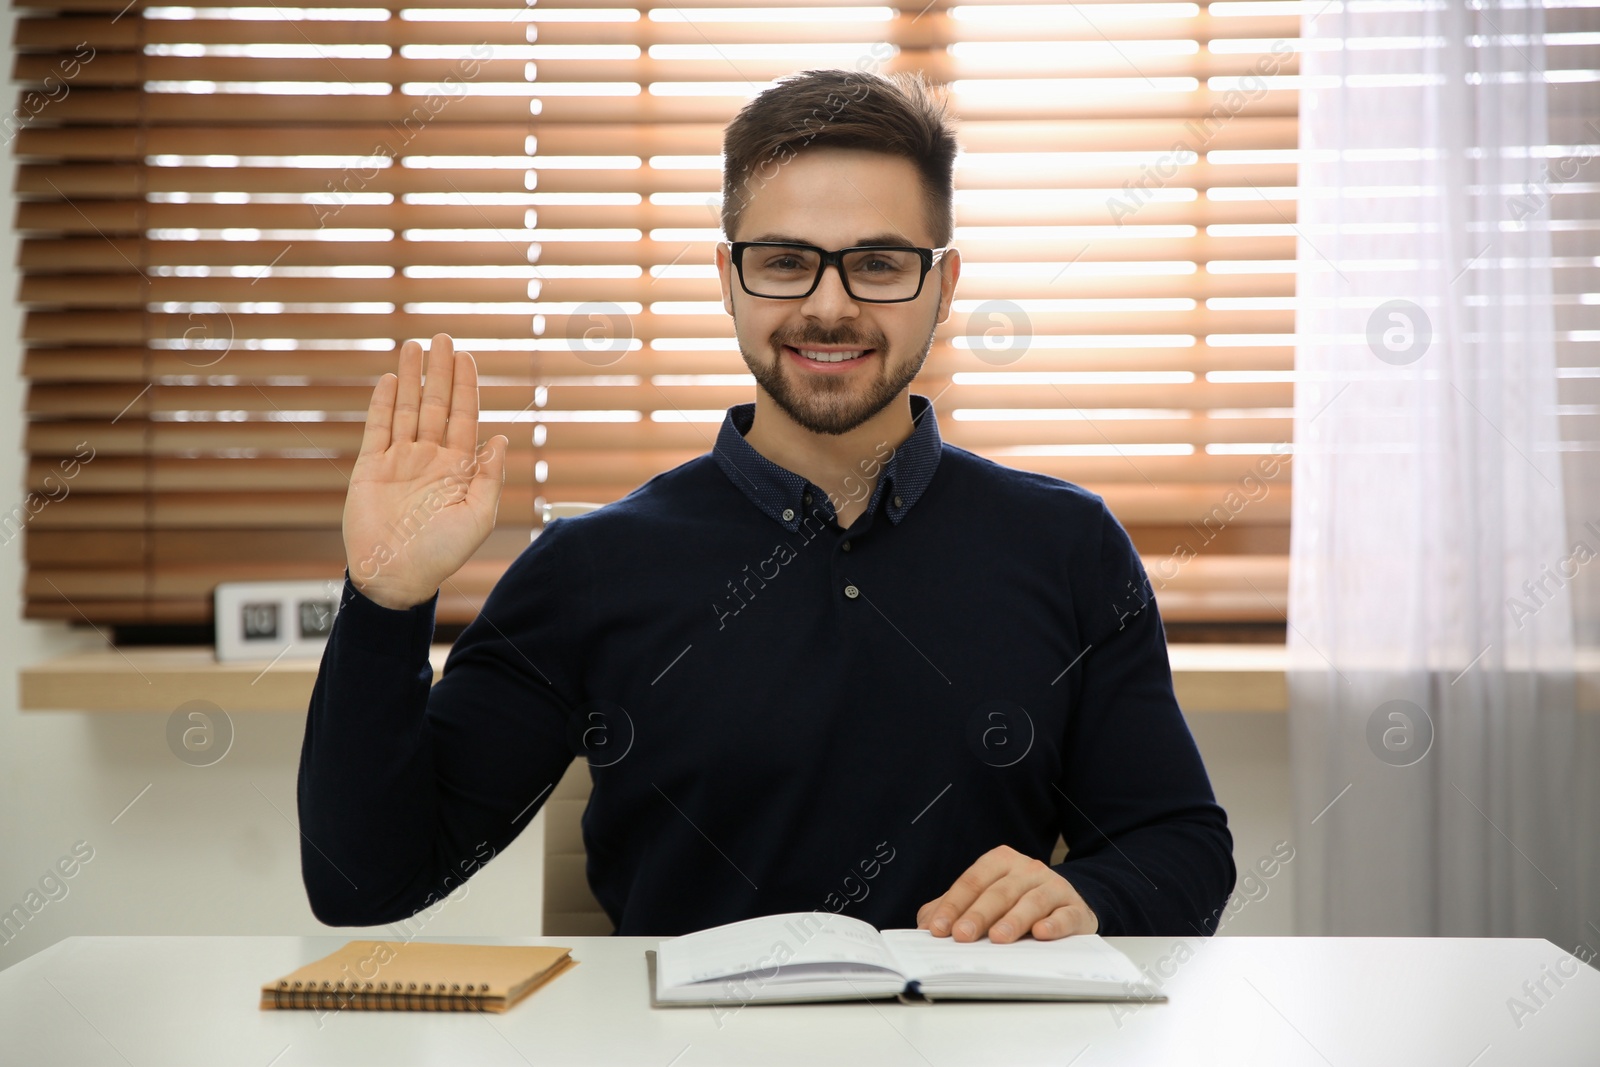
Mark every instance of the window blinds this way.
pixel 233 216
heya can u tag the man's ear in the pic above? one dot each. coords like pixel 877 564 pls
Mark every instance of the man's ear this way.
pixel 949 271
pixel 724 261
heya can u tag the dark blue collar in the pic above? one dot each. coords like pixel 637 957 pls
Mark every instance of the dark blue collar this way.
pixel 782 494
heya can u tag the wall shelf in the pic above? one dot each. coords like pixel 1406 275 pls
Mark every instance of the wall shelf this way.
pixel 1206 677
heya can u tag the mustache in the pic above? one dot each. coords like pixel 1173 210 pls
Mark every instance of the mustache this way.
pixel 878 341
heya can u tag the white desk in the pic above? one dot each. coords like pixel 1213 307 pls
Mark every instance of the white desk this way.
pixel 1334 1002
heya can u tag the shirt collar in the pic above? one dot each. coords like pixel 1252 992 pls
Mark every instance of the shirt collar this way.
pixel 781 493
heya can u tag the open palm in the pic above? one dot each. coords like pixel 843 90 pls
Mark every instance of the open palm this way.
pixel 422 496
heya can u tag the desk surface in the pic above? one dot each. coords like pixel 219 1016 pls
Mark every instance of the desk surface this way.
pixel 1326 1002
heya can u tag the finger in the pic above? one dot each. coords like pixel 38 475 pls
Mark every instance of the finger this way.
pixel 1028 883
pixel 1066 921
pixel 989 868
pixel 994 902
pixel 436 393
pixel 408 397
pixel 1035 905
pixel 380 414
pixel 490 475
pixel 462 432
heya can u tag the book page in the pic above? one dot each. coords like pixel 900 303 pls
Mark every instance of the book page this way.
pixel 1082 958
pixel 802 944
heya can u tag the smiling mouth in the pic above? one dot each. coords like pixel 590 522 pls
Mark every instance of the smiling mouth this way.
pixel 825 356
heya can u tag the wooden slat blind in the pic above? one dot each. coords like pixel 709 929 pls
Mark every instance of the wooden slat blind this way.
pixel 232 217
pixel 1158 318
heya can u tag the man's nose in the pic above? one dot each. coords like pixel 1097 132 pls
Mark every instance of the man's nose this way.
pixel 829 300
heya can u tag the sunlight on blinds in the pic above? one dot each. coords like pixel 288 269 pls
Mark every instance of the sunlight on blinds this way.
pixel 232 217
pixel 1124 209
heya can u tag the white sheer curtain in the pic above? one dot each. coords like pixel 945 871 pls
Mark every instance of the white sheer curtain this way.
pixel 1436 744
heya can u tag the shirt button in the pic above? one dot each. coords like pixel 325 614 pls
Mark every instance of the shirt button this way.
pixel 845 547
pixel 897 501
pixel 851 591
pixel 788 513
pixel 806 498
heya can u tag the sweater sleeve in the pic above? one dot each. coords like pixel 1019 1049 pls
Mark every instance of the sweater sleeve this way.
pixel 407 788
pixel 1148 847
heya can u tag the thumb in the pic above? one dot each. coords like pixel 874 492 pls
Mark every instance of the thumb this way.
pixel 484 492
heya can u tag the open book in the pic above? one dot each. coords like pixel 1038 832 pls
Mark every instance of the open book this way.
pixel 810 956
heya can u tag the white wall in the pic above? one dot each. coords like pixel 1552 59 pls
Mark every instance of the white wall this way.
pixel 1247 756
pixel 212 850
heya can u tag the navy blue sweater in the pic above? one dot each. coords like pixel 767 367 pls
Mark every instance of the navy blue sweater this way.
pixel 779 715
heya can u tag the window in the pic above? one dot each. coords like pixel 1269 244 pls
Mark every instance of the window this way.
pixel 233 217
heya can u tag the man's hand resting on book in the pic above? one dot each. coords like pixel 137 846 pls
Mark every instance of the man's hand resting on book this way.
pixel 1005 895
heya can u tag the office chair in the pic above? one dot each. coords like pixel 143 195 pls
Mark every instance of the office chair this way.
pixel 570 909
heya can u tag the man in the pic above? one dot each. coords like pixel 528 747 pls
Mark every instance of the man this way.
pixel 831 665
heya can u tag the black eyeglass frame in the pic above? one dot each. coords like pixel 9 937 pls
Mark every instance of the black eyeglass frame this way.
pixel 836 259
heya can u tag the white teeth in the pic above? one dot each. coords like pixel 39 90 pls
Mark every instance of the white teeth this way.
pixel 831 357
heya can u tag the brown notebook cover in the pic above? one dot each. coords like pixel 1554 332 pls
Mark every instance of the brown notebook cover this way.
pixel 418 976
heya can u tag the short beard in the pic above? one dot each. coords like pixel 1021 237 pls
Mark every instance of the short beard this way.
pixel 829 406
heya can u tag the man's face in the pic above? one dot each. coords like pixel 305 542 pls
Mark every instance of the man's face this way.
pixel 835 198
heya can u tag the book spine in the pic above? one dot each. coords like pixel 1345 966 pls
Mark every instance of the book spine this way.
pixel 381 996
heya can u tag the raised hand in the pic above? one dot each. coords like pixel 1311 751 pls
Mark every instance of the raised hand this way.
pixel 422 496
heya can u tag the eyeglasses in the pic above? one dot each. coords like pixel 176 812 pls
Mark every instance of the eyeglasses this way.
pixel 873 274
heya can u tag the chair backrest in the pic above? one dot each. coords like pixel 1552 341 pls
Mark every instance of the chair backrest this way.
pixel 570 909
pixel 561 509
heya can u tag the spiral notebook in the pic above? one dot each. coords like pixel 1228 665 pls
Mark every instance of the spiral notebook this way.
pixel 418 976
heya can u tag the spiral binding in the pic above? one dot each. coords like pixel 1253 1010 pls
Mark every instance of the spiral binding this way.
pixel 381 996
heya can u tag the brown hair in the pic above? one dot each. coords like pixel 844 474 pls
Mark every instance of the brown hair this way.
pixel 897 114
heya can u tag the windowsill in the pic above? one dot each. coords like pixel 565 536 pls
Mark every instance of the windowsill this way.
pixel 1207 678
